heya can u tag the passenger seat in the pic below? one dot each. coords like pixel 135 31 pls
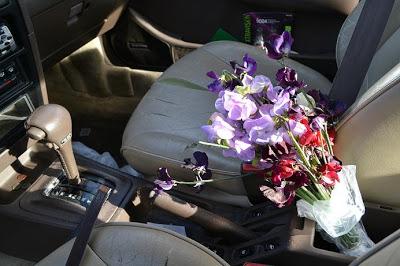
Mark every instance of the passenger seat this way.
pixel 167 122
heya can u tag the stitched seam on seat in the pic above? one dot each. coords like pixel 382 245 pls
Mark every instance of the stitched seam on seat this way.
pixel 172 233
pixel 88 245
pixel 218 171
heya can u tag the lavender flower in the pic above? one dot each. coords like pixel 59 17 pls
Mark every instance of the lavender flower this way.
pixel 238 106
pixel 220 128
pixel 256 84
pixel 241 148
pixel 262 131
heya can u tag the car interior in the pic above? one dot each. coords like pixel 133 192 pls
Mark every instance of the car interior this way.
pixel 127 78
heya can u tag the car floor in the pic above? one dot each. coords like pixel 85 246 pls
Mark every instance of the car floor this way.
pixel 100 96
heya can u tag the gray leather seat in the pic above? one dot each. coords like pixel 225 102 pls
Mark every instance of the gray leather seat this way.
pixel 139 244
pixel 168 119
pixel 136 244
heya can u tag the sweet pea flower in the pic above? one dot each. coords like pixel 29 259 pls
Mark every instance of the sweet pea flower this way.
pixel 220 128
pixel 329 172
pixel 199 167
pixel 273 93
pixel 261 130
pixel 241 148
pixel 238 106
pixel 282 104
pixel 297 128
pixel 318 123
pixel 281 196
pixel 249 66
pixel 164 181
pixel 256 84
pixel 287 77
pixel 279 45
pixel 217 85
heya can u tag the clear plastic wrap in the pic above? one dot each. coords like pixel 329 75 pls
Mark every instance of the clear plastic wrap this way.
pixel 339 217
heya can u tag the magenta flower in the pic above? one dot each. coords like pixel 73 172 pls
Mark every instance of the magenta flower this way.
pixel 279 45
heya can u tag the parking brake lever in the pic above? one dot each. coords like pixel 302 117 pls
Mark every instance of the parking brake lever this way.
pixel 52 124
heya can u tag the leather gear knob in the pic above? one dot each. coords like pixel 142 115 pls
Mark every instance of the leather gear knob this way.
pixel 53 124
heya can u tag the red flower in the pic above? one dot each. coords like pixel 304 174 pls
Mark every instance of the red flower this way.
pixel 282 170
pixel 299 179
pixel 311 138
pixel 329 172
pixel 332 135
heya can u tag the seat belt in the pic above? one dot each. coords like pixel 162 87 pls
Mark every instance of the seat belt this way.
pixel 360 51
pixel 86 226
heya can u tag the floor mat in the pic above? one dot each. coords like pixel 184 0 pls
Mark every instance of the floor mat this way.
pixel 100 97
pixel 105 158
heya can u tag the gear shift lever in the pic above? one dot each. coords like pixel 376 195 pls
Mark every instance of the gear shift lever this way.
pixel 52 123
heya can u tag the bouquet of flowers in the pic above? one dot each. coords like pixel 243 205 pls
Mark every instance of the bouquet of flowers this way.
pixel 287 132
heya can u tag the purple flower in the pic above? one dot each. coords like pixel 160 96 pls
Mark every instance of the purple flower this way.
pixel 297 128
pixel 238 106
pixel 273 93
pixel 241 148
pixel 249 66
pixel 262 130
pixel 221 83
pixel 217 85
pixel 220 128
pixel 199 167
pixel 164 181
pixel 287 77
pixel 256 84
pixel 282 104
pixel 279 45
pixel 318 123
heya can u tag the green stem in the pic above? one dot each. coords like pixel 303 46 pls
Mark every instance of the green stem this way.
pixel 327 139
pixel 299 150
pixel 213 144
pixel 210 180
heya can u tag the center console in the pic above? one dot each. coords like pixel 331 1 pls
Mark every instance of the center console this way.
pixel 44 191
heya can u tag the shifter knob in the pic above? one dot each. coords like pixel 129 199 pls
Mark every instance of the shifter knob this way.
pixel 52 123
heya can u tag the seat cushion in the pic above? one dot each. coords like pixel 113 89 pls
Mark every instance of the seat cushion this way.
pixel 167 122
pixel 137 244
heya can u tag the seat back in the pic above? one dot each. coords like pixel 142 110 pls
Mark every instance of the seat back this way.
pixel 368 135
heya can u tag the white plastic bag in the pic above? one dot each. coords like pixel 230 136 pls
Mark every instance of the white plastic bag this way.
pixel 340 216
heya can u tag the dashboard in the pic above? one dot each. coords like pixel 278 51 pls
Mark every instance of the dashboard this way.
pixel 34 35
